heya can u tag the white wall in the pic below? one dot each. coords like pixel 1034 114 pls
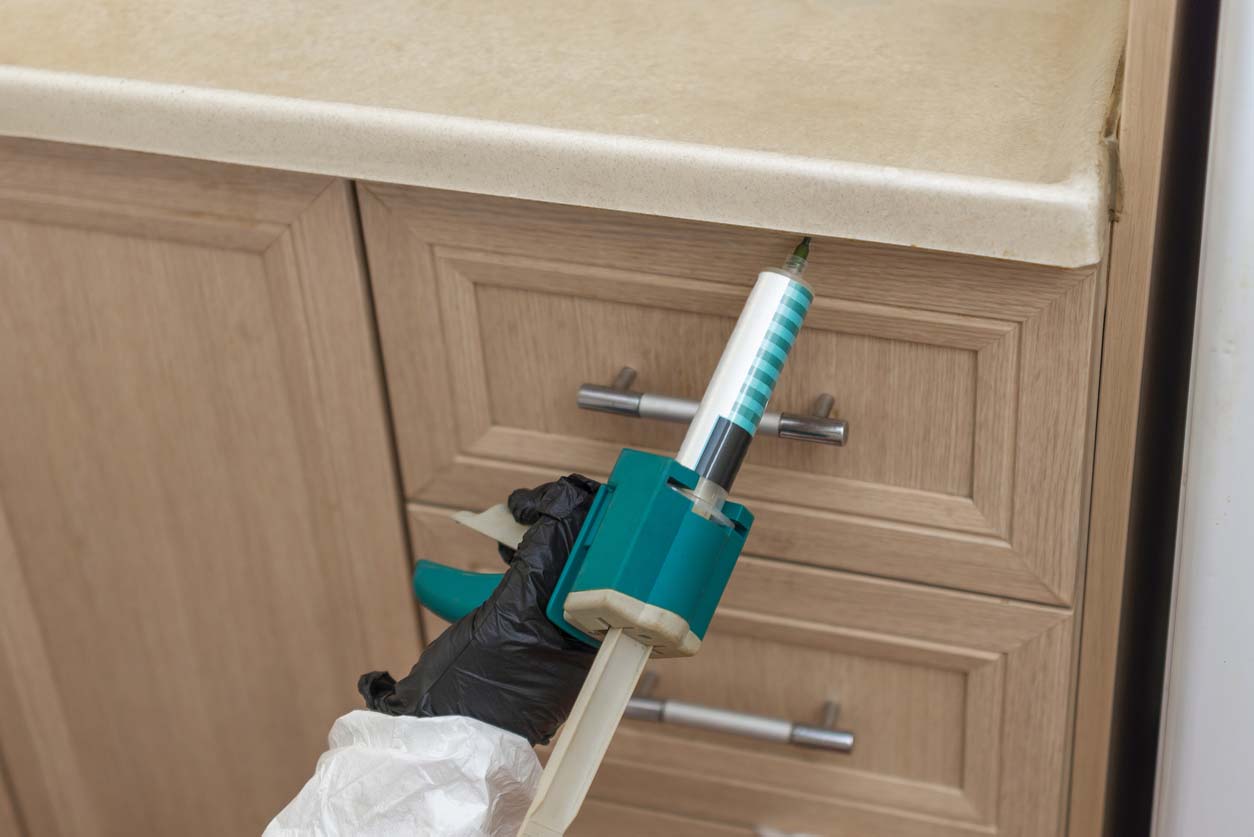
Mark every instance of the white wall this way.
pixel 1206 760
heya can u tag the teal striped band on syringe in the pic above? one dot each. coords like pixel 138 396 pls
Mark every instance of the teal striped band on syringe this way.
pixel 735 400
pixel 750 404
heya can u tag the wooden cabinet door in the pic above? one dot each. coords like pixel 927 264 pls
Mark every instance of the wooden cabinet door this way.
pixel 10 825
pixel 201 545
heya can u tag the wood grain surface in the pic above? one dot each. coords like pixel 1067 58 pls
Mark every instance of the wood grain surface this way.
pixel 1143 114
pixel 10 820
pixel 966 382
pixel 204 545
pixel 958 702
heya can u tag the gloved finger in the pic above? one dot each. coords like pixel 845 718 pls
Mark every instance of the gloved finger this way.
pixel 375 687
pixel 547 544
pixel 506 553
pixel 525 503
pixel 504 663
pixel 552 499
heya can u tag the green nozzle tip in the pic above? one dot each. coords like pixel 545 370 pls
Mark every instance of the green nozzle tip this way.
pixel 797 261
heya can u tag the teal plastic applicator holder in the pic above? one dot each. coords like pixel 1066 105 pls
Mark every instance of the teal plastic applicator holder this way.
pixel 641 539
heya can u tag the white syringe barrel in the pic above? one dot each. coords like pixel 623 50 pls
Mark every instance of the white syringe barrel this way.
pixel 718 437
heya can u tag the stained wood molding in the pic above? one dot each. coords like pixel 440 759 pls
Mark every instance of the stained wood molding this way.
pixel 1147 81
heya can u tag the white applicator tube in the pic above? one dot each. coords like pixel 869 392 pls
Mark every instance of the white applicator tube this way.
pixel 735 400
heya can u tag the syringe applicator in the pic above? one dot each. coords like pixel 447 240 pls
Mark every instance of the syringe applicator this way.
pixel 735 399
pixel 658 546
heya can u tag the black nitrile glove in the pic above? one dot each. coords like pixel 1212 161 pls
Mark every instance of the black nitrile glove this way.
pixel 505 663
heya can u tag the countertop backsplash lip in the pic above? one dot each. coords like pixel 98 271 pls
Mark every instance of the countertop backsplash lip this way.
pixel 963 126
pixel 1060 224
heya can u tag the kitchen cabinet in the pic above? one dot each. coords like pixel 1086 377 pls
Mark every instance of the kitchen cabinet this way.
pixel 968 389
pixel 201 546
pixel 201 494
pixel 246 378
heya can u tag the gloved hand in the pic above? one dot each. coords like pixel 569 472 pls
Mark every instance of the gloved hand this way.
pixel 505 663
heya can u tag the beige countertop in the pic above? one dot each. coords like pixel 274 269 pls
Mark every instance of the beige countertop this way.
pixel 972 126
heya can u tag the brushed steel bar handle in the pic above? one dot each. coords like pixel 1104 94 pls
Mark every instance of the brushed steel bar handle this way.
pixel 621 400
pixel 746 724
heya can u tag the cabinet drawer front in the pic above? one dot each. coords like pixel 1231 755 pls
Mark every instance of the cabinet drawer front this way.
pixel 606 819
pixel 957 701
pixel 965 382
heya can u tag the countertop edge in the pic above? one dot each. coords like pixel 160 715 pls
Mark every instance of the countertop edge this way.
pixel 1061 224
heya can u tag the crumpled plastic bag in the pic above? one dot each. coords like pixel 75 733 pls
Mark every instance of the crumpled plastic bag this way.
pixel 386 776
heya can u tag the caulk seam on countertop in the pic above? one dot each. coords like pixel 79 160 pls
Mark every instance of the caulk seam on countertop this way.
pixel 1058 224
